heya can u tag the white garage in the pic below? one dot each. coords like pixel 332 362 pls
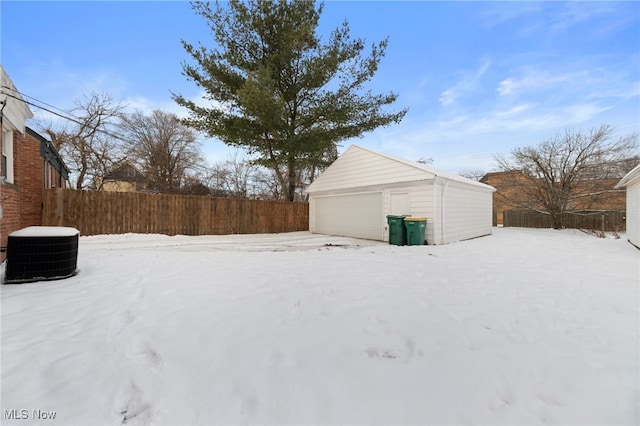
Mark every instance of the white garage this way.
pixel 632 182
pixel 355 194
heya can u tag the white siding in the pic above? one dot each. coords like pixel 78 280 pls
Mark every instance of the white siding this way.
pixel 420 204
pixel 462 212
pixel 16 111
pixel 358 168
pixel 341 199
pixel 633 214
pixel 632 182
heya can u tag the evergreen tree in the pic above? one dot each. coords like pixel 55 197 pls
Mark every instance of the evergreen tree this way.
pixel 280 93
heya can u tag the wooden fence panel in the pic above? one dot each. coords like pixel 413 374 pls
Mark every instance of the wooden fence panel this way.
pixel 102 212
pixel 605 221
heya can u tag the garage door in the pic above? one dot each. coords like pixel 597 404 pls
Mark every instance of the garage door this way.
pixel 354 215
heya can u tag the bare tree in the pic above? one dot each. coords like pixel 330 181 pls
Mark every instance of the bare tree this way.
pixel 473 174
pixel 569 171
pixel 88 143
pixel 163 147
pixel 194 185
pixel 425 160
pixel 239 177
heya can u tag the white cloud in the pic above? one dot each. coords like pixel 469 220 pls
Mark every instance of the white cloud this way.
pixel 448 97
pixel 580 113
pixel 507 86
pixel 574 13
pixel 495 14
pixel 515 110
pixel 534 80
pixel 618 89
pixel 470 140
pixel 605 84
pixel 468 83
pixel 552 19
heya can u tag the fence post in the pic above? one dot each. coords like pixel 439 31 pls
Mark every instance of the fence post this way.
pixel 59 215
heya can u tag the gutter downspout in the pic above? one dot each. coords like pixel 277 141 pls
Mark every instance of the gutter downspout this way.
pixel 442 212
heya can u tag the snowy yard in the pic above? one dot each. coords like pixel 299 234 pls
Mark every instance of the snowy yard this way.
pixel 521 327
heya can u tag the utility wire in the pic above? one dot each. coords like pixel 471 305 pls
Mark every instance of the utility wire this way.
pixel 41 102
pixel 73 118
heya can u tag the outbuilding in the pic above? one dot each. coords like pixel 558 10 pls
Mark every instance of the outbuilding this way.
pixel 354 195
pixel 632 182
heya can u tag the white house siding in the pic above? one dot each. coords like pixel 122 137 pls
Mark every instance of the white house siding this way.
pixel 14 114
pixel 633 214
pixel 16 111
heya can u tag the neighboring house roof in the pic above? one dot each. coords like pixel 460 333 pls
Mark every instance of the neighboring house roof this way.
pixel 411 172
pixel 125 172
pixel 507 173
pixel 632 177
pixel 50 153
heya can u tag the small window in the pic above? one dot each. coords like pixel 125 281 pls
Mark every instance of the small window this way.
pixel 7 155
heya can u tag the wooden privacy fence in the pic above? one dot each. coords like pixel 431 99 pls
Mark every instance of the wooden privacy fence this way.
pixel 102 212
pixel 605 221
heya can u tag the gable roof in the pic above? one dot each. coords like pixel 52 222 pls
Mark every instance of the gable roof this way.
pixel 125 172
pixel 631 177
pixel 361 167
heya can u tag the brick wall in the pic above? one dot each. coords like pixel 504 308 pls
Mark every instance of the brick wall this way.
pixel 29 174
pixel 511 194
pixel 22 201
pixel 10 197
pixel 508 191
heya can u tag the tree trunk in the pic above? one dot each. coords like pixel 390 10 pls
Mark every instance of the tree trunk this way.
pixel 556 220
pixel 291 181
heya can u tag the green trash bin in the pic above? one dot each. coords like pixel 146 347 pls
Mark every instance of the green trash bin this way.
pixel 397 230
pixel 415 227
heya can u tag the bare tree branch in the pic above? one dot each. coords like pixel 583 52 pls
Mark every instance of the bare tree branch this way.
pixel 166 150
pixel 570 171
pixel 88 145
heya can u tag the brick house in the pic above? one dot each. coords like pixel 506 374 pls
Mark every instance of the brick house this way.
pixel 510 194
pixel 30 164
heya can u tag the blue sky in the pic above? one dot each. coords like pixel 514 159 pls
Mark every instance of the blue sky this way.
pixel 479 78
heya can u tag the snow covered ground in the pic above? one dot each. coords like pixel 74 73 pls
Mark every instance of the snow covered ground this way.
pixel 521 327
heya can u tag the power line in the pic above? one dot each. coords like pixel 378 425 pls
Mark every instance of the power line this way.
pixel 41 102
pixel 73 118
pixel 41 107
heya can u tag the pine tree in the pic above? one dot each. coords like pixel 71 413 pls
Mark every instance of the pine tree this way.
pixel 277 91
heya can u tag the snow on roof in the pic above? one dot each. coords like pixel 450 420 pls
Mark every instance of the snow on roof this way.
pixel 45 231
pixel 633 175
